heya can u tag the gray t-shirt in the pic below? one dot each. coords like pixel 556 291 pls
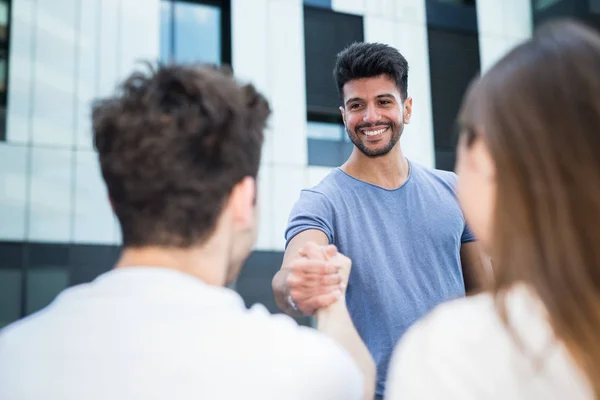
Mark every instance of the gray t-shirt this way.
pixel 404 245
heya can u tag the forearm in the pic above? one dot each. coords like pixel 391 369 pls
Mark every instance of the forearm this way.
pixel 281 293
pixel 335 322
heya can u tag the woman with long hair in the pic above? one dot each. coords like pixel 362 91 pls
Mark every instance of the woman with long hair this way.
pixel 529 183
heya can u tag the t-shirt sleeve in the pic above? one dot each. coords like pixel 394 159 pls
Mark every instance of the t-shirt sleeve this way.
pixel 313 210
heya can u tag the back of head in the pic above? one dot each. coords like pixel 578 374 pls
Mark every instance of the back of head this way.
pixel 368 60
pixel 172 145
pixel 538 111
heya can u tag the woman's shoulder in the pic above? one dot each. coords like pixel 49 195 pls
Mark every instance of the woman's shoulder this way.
pixel 463 349
pixel 453 328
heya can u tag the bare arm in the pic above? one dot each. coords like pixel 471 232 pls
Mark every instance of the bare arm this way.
pixel 335 322
pixel 476 267
pixel 300 277
pixel 316 276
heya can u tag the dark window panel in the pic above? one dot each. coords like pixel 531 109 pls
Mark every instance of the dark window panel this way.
pixel 89 261
pixel 445 159
pixel 254 282
pixel 47 273
pixel 587 11
pixel 11 255
pixel 326 33
pixel 42 255
pixel 43 285
pixel 10 295
pixel 454 63
pixel 261 264
pixel 452 15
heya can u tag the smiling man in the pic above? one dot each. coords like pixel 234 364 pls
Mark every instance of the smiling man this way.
pixel 398 221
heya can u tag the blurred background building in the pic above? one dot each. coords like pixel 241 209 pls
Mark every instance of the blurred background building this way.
pixel 56 226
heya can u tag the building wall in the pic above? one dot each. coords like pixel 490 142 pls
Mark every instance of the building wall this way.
pixel 502 25
pixel 63 54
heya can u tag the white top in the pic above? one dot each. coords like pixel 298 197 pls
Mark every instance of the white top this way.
pixel 463 351
pixel 150 333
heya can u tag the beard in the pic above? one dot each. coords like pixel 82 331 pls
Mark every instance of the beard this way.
pixel 355 137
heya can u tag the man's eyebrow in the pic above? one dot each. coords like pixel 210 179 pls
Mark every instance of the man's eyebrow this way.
pixel 380 96
pixel 353 99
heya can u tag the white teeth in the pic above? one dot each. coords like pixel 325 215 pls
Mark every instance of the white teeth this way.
pixel 373 133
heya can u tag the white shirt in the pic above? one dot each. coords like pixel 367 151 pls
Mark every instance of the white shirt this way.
pixel 463 351
pixel 150 333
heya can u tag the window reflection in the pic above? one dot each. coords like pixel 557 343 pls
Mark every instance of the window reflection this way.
pixel 542 4
pixel 325 130
pixel 190 32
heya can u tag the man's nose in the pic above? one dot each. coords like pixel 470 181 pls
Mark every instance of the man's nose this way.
pixel 371 115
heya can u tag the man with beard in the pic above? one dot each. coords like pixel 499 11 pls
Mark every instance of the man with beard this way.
pixel 398 221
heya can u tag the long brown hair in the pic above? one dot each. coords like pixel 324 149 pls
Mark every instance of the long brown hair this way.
pixel 538 110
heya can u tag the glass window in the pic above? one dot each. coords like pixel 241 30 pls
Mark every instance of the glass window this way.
pixel 10 296
pixel 326 33
pixel 325 130
pixel 190 32
pixel 43 285
pixel 453 63
pixel 542 4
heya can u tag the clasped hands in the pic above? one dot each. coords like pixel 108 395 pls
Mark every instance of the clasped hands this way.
pixel 317 277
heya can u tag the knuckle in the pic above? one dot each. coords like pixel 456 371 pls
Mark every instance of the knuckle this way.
pixel 294 265
pixel 292 281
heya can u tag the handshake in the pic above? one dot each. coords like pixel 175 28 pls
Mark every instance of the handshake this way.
pixel 314 278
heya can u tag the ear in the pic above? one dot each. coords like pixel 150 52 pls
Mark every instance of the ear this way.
pixel 242 202
pixel 343 112
pixel 407 110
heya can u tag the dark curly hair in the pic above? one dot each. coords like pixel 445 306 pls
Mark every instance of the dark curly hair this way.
pixel 172 144
pixel 368 60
